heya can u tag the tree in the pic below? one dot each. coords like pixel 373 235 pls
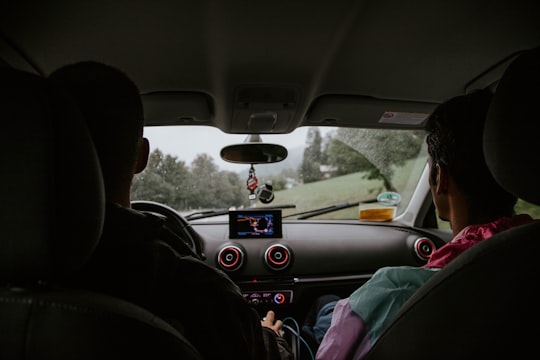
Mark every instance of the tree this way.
pixel 344 158
pixel 204 182
pixel 164 180
pixel 311 161
pixel 232 192
pixel 398 146
pixel 169 181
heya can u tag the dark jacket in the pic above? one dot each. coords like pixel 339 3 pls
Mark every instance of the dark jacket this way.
pixel 135 261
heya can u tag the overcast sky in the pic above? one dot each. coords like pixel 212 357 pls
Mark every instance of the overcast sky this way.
pixel 187 142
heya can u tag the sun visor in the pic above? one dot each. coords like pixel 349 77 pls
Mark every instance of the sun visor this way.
pixel 363 111
pixel 177 108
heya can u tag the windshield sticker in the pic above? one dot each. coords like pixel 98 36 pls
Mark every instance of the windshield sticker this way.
pixel 389 198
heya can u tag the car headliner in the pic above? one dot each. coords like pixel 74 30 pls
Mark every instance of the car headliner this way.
pixel 270 66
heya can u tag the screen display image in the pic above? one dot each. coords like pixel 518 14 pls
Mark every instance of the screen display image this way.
pixel 255 224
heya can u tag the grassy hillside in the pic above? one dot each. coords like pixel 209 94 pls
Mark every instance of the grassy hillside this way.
pixel 348 188
pixel 342 189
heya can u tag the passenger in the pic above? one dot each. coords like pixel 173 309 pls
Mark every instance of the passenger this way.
pixel 464 193
pixel 134 259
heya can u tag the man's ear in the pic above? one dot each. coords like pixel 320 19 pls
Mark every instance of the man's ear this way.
pixel 142 156
pixel 441 184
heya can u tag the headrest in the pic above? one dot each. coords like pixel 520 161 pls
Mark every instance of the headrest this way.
pixel 512 130
pixel 53 200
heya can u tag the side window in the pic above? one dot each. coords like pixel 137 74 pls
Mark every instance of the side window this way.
pixel 523 207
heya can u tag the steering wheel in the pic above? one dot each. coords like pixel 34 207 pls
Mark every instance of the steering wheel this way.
pixel 175 222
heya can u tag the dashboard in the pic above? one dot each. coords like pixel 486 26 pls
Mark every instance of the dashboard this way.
pixel 284 265
pixel 310 258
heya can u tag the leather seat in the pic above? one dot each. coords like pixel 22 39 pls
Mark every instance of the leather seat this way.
pixel 484 304
pixel 51 219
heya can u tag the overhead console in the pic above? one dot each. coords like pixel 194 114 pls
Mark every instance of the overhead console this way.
pixel 264 109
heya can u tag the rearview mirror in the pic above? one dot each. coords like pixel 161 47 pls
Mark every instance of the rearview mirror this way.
pixel 254 151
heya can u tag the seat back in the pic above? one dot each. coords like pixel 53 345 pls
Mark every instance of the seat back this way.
pixel 51 220
pixel 484 304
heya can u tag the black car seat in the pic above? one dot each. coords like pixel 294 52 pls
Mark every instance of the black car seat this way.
pixel 484 305
pixel 50 222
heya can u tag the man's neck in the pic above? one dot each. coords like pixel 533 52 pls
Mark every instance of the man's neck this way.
pixel 463 216
pixel 121 198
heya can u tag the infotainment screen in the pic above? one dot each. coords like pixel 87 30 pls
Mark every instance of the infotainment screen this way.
pixel 254 224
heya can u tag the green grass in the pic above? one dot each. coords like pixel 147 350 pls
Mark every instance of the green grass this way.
pixel 346 188
pixel 523 207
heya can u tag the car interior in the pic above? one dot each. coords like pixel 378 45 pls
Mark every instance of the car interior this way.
pixel 366 73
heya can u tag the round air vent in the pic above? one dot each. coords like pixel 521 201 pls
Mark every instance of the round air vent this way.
pixel 277 257
pixel 230 258
pixel 423 248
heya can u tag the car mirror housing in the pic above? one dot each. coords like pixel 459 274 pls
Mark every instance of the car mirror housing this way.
pixel 254 151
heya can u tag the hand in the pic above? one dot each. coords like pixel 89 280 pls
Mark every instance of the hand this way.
pixel 270 321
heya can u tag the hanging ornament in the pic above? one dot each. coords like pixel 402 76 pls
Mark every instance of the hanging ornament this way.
pixel 252 183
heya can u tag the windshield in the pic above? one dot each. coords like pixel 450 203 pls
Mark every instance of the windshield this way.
pixel 346 169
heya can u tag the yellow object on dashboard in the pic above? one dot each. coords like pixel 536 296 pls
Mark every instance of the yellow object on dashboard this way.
pixel 377 214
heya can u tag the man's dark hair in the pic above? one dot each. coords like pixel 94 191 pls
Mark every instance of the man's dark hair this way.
pixel 111 104
pixel 455 131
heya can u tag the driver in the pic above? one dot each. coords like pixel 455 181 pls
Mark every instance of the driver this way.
pixel 137 259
